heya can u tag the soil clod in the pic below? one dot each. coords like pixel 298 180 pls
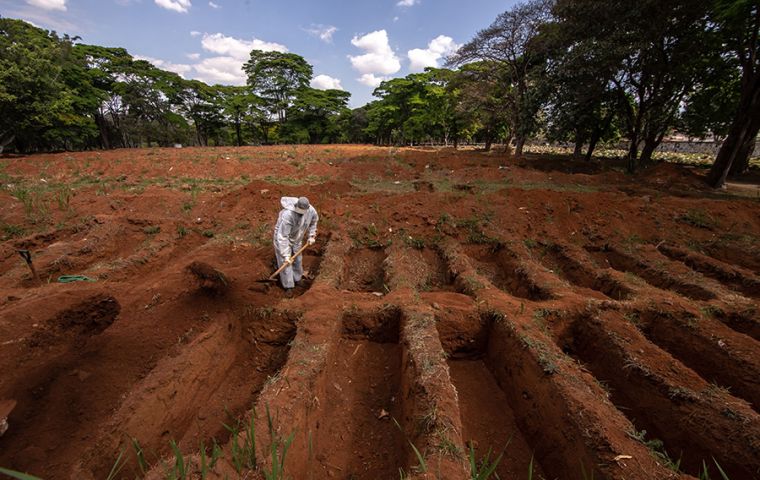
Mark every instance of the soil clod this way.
pixel 209 278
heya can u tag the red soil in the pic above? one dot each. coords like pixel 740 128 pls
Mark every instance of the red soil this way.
pixel 467 295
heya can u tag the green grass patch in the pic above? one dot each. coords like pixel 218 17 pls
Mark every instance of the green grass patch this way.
pixel 8 231
pixel 376 184
pixel 699 219
pixel 295 181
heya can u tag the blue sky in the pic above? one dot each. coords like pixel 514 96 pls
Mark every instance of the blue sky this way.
pixel 351 44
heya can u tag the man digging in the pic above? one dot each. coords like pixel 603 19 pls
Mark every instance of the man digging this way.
pixel 296 216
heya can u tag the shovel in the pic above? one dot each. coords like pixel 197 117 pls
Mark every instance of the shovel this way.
pixel 27 256
pixel 273 277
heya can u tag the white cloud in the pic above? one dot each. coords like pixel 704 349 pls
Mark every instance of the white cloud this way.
pixel 48 4
pixel 237 48
pixel 179 68
pixel 379 58
pixel 371 80
pixel 395 19
pixel 407 3
pixel 226 70
pixel 226 66
pixel 214 5
pixel 48 19
pixel 326 82
pixel 440 46
pixel 181 6
pixel 323 32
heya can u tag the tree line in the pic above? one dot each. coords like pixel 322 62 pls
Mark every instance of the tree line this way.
pixel 577 71
pixel 590 71
pixel 58 94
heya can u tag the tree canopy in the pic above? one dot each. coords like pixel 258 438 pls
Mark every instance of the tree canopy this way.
pixel 57 93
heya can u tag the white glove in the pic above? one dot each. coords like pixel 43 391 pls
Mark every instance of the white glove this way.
pixel 288 260
pixel 311 240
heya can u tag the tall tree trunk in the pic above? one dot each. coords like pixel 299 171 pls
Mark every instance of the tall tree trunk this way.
pixel 6 139
pixel 579 141
pixel 596 133
pixel 199 135
pixel 646 152
pixel 591 147
pixel 650 145
pixel 238 133
pixel 100 121
pixel 489 141
pixel 633 153
pixel 743 129
pixel 741 163
pixel 635 138
pixel 519 145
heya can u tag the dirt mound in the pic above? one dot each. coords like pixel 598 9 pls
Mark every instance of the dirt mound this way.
pixel 209 278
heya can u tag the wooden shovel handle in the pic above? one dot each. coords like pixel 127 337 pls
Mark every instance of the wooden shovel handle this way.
pixel 284 265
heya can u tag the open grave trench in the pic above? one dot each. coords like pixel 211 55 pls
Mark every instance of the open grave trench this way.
pixel 88 384
pixel 557 359
pixel 545 357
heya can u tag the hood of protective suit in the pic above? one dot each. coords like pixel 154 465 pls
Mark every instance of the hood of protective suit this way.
pixel 289 203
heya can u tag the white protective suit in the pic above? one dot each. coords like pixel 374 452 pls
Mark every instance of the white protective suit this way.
pixel 289 237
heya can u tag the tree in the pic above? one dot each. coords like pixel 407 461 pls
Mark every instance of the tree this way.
pixel 33 95
pixel 276 77
pixel 580 102
pixel 650 52
pixel 354 124
pixel 419 107
pixel 485 89
pixel 738 24
pixel 400 101
pixel 238 105
pixel 150 101
pixel 102 66
pixel 511 42
pixel 204 105
pixel 443 95
pixel 710 108
pixel 316 114
pixel 382 119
